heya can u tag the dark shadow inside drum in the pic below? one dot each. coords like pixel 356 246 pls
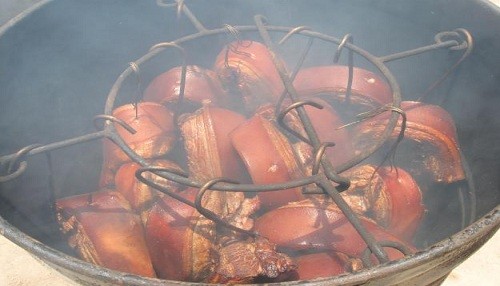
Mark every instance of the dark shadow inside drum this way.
pixel 58 64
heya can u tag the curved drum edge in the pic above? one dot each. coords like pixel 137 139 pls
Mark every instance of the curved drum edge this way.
pixel 414 269
pixel 12 22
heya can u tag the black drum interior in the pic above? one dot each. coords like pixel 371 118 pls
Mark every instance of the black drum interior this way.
pixel 59 62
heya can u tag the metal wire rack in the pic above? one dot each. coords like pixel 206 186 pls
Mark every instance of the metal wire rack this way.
pixel 324 175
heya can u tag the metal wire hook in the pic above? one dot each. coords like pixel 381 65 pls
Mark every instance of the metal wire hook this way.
pixel 366 259
pixel 347 38
pixel 231 47
pixel 163 3
pixel 350 62
pixel 198 200
pixel 16 165
pixel 380 110
pixel 19 155
pixel 292 32
pixel 115 120
pixel 233 32
pixel 137 71
pixel 369 114
pixel 182 84
pixel 308 127
pixel 21 169
pixel 455 36
pixel 297 68
pixel 213 216
pixel 318 155
pixel 157 171
pixel 468 40
pixel 180 5
pixel 392 151
pixel 170 45
pixel 372 113
pixel 467 44
pixel 176 3
pixel 292 106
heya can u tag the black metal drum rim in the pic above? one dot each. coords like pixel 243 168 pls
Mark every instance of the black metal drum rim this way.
pixel 488 224
pixel 14 21
pixel 479 232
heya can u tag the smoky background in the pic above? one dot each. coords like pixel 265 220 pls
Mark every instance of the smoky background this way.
pixel 58 66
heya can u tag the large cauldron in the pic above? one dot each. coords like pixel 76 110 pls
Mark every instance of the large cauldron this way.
pixel 59 60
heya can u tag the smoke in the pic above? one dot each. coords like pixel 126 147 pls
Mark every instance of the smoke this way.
pixel 10 8
pixel 57 66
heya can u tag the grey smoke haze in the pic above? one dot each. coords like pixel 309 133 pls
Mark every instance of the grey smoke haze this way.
pixel 77 53
pixel 10 8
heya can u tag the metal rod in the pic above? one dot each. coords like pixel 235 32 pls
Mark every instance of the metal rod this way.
pixel 401 134
pixel 470 45
pixel 296 70
pixel 198 25
pixel 417 51
pixel 150 55
pixel 139 95
pixel 181 6
pixel 213 216
pixel 182 85
pixel 18 172
pixel 281 117
pixel 293 31
pixel 139 175
pixel 369 239
pixel 365 257
pixel 115 120
pixel 323 181
pixel 58 145
pixel 364 154
pixel 52 191
pixel 319 155
pixel 308 127
pixel 470 191
pixel 14 163
pixel 350 64
pixel 246 188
